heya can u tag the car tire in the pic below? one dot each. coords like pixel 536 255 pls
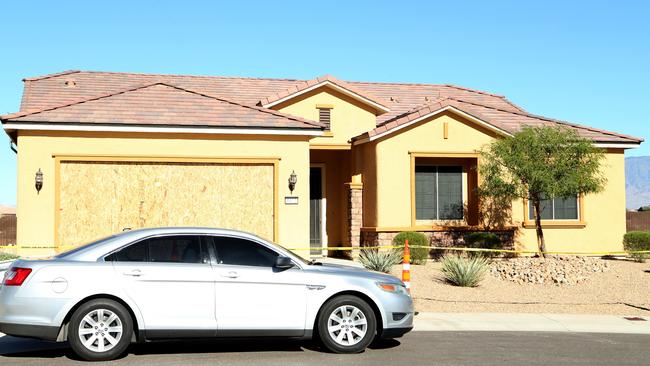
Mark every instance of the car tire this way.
pixel 346 324
pixel 100 330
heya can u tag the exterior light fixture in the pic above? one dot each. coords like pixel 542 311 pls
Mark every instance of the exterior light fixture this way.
pixel 293 179
pixel 38 181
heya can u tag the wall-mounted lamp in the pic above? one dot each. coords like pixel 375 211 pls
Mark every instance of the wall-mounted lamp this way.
pixel 293 179
pixel 38 181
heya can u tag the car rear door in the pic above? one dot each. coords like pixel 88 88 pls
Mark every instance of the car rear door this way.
pixel 252 297
pixel 170 279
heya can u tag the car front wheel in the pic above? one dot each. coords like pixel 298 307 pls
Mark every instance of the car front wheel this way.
pixel 100 330
pixel 346 324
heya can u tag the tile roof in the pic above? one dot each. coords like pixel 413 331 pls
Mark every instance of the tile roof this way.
pixel 7 210
pixel 401 98
pixel 302 86
pixel 505 121
pixel 161 103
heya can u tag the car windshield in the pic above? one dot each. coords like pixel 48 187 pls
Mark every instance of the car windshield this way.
pixel 80 248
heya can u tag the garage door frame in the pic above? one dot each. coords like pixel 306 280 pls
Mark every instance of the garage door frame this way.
pixel 63 158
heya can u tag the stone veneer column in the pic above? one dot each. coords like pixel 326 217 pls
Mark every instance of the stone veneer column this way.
pixel 355 212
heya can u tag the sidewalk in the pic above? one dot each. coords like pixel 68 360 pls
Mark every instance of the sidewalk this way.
pixel 529 323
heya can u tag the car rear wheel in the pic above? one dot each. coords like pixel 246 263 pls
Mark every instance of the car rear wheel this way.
pixel 100 330
pixel 346 324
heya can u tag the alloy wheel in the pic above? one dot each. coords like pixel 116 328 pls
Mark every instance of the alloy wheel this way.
pixel 100 330
pixel 347 325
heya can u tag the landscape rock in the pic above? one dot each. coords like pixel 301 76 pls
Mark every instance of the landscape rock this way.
pixel 558 270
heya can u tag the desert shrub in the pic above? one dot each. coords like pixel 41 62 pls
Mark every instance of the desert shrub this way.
pixel 464 272
pixel 7 256
pixel 418 255
pixel 375 260
pixel 637 241
pixel 483 240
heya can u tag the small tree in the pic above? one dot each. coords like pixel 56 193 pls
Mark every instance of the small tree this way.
pixel 538 163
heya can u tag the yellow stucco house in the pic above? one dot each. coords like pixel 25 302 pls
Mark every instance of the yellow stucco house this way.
pixel 101 152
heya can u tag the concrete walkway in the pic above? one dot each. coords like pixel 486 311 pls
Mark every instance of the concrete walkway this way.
pixel 529 323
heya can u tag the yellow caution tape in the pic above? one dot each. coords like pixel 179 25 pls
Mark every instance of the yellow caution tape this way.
pixel 401 247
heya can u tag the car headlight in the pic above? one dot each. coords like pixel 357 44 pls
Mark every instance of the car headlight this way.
pixel 392 287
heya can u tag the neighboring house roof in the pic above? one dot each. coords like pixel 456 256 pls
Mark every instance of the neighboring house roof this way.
pixel 504 122
pixel 303 87
pixel 7 210
pixel 160 103
pixel 403 102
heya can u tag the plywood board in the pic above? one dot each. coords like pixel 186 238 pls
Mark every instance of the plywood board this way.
pixel 102 198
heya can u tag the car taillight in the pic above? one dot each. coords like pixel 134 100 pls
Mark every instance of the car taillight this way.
pixel 16 276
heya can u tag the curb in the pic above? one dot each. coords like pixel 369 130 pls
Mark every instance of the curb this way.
pixel 526 322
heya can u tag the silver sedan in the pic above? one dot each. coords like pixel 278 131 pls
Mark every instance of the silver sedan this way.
pixel 169 283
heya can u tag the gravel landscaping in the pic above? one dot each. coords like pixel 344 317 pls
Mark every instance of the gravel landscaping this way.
pixel 590 286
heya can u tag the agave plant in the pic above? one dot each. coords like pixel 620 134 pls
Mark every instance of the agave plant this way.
pixel 379 261
pixel 465 272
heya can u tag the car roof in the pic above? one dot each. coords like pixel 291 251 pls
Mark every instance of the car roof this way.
pixel 96 249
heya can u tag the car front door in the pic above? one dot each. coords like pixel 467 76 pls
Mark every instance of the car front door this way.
pixel 171 281
pixel 252 297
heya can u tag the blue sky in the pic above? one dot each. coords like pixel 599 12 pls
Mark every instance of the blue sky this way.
pixel 581 61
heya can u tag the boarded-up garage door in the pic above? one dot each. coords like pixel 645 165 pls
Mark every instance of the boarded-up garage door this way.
pixel 97 199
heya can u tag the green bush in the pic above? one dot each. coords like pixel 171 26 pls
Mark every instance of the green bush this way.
pixel 483 240
pixel 375 260
pixel 636 241
pixel 418 255
pixel 464 272
pixel 7 256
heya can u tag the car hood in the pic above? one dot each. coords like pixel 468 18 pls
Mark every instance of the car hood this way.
pixel 341 269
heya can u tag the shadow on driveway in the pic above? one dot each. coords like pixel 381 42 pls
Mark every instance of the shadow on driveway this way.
pixel 32 348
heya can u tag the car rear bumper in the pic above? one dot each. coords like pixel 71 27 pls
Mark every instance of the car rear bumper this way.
pixel 44 332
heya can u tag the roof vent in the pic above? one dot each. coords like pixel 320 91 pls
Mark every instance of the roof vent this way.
pixel 70 83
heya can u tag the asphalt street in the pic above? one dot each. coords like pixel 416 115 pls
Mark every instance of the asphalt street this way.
pixel 416 348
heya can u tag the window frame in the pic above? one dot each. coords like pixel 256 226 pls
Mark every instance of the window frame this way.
pixel 462 192
pixel 529 222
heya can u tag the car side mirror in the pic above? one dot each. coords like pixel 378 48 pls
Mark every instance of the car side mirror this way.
pixel 283 262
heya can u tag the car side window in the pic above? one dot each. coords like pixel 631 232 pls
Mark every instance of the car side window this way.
pixel 133 253
pixel 164 249
pixel 242 252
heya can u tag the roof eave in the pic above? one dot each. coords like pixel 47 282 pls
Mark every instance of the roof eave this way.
pixel 377 106
pixel 14 126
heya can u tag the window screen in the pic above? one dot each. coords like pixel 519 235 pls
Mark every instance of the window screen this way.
pixel 242 252
pixel 556 209
pixel 438 192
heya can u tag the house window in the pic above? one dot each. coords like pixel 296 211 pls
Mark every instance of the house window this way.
pixel 555 209
pixel 438 192
pixel 325 116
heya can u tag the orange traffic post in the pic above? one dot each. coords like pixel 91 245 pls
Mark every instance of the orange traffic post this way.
pixel 406 266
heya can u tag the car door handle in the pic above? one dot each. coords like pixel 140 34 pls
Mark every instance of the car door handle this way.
pixel 231 274
pixel 134 273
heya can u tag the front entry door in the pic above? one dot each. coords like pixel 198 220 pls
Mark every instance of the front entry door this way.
pixel 316 210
